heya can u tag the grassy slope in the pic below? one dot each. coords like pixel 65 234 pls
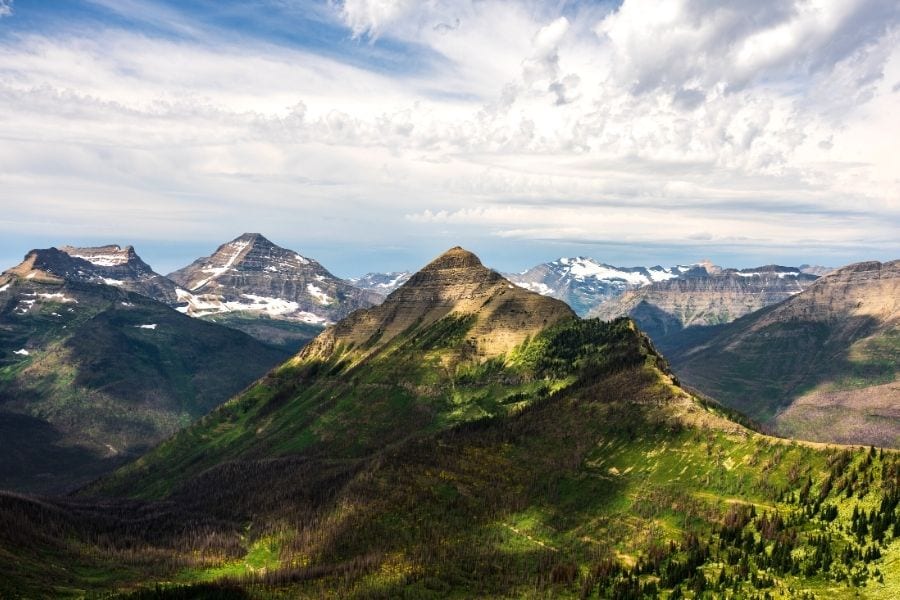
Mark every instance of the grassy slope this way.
pixel 615 480
pixel 96 387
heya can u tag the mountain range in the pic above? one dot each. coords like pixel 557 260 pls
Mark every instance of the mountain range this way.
pixel 468 437
pixel 584 283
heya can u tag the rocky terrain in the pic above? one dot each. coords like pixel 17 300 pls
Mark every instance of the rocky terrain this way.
pixel 456 282
pixel 822 365
pixel 703 298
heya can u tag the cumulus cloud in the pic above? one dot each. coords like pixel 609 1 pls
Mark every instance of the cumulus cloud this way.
pixel 688 121
pixel 6 8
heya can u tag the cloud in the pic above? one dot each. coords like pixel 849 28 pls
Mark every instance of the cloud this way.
pixel 371 17
pixel 686 122
pixel 6 8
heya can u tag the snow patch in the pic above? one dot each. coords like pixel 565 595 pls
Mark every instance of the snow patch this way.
pixel 31 275
pixel 104 260
pixel 662 274
pixel 22 352
pixel 150 326
pixel 210 304
pixel 541 288
pixel 5 287
pixel 108 281
pixel 302 260
pixel 318 294
pixel 582 268
pixel 127 304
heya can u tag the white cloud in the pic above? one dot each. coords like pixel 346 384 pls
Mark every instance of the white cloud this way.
pixel 6 8
pixel 766 124
pixel 371 17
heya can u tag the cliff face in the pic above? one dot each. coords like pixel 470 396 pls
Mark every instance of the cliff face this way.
pixel 666 307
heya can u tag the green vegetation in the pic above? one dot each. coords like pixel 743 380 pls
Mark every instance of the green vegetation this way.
pixel 585 472
pixel 108 374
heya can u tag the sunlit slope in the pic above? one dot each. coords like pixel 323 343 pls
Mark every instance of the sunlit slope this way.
pixel 617 484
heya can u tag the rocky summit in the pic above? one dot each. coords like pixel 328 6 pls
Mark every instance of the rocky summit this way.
pixel 110 265
pixel 454 283
pixel 252 274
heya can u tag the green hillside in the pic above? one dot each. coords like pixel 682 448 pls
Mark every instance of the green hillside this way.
pixel 91 375
pixel 615 484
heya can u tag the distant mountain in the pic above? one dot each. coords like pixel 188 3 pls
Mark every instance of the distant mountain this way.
pixel 381 283
pixel 110 265
pixel 815 270
pixel 679 309
pixel 270 292
pixel 92 374
pixel 822 365
pixel 583 283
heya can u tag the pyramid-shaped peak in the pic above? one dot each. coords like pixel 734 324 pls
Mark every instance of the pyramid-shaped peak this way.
pixel 454 258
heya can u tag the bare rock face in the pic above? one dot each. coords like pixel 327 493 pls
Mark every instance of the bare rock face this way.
pixel 454 283
pixel 110 265
pixel 252 274
pixel 823 365
pixel 705 297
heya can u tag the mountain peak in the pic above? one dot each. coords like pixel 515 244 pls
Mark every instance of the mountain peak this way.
pixel 456 283
pixel 456 257
pixel 109 255
pixel 253 239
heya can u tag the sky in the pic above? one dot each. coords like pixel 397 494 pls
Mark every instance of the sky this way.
pixel 374 134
